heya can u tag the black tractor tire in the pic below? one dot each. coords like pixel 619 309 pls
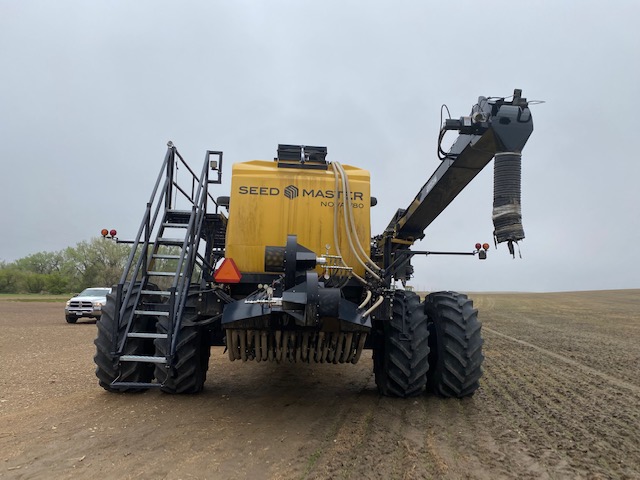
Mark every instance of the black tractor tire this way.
pixel 107 368
pixel 456 345
pixel 191 361
pixel 401 348
pixel 71 318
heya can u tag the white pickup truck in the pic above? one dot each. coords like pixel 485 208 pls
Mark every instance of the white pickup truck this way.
pixel 87 303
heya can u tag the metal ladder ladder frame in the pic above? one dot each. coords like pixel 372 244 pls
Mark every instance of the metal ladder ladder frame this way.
pixel 139 271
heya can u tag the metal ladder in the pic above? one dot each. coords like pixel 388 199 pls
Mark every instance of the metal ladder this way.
pixel 187 228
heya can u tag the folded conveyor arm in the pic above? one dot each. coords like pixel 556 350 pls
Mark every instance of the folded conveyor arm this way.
pixel 496 127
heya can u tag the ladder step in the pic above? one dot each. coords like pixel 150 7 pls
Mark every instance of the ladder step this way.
pixel 164 293
pixel 175 225
pixel 136 385
pixel 170 241
pixel 166 257
pixel 153 313
pixel 146 335
pixel 142 358
pixel 163 274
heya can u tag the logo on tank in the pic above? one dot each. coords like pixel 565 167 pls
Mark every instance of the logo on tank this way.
pixel 291 192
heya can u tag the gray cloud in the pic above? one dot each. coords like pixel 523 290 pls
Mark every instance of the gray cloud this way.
pixel 91 92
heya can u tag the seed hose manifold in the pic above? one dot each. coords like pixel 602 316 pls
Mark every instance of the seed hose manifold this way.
pixel 295 346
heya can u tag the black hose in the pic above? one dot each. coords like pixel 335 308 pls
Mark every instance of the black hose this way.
pixel 507 212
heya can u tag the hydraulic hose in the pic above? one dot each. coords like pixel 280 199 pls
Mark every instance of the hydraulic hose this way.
pixel 374 306
pixel 349 207
pixel 350 223
pixel 365 301
pixel 349 227
pixel 335 229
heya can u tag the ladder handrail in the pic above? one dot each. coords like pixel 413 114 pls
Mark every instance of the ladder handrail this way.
pixel 146 218
pixel 192 236
pixel 146 227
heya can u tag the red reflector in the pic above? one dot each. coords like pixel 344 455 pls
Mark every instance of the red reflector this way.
pixel 478 246
pixel 228 272
pixel 113 233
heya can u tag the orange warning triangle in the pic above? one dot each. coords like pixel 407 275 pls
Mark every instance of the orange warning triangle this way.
pixel 228 272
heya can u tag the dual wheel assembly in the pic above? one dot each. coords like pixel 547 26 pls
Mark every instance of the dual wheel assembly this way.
pixel 435 344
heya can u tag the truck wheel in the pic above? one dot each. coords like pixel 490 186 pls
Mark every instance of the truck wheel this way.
pixel 107 368
pixel 71 318
pixel 456 345
pixel 191 360
pixel 401 348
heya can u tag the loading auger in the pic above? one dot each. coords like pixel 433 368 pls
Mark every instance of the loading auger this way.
pixel 496 128
pixel 291 273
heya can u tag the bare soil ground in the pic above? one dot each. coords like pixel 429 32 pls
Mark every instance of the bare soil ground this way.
pixel 560 398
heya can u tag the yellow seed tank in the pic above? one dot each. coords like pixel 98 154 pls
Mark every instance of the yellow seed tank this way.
pixel 269 202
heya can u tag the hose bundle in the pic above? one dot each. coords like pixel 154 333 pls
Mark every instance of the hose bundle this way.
pixel 354 243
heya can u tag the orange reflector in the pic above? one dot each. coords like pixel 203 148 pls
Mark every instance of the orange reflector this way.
pixel 104 232
pixel 485 246
pixel 228 272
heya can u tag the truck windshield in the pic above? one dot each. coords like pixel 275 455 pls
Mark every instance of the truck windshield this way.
pixel 95 292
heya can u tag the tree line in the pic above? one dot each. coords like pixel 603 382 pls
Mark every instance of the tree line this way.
pixel 95 263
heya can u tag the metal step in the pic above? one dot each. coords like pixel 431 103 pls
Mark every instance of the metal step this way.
pixel 164 293
pixel 146 335
pixel 175 225
pixel 170 241
pixel 163 274
pixel 166 256
pixel 135 385
pixel 153 313
pixel 177 216
pixel 142 358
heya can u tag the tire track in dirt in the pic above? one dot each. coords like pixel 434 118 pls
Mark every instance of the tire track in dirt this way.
pixel 597 329
pixel 591 371
pixel 375 437
pixel 617 355
pixel 521 432
pixel 568 409
pixel 468 443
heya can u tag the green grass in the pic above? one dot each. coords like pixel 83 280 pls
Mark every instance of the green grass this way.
pixel 33 297
pixel 312 461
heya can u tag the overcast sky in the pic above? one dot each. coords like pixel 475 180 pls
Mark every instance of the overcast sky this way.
pixel 91 91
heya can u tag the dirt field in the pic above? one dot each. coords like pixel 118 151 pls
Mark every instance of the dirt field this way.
pixel 560 398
